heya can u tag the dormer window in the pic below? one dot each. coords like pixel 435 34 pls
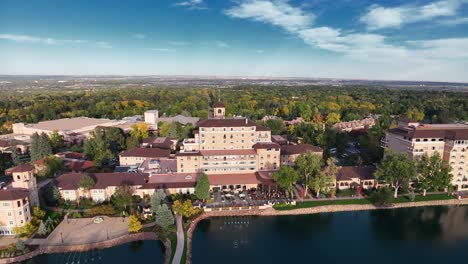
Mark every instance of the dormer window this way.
pixel 188 177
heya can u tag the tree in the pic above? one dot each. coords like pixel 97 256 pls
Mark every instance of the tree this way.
pixel 38 212
pixel 15 154
pixel 309 167
pixel 164 217
pixel 331 169
pixel 321 182
pixel 158 197
pixel 6 161
pixel 134 224
pixel 202 189
pixel 56 141
pixel 53 166
pixel 415 114
pixel 397 170
pixel 97 148
pixel 42 230
pixel 382 197
pixel 116 139
pixel 122 196
pixel 276 126
pixel 86 183
pixel 333 118
pixel 40 146
pixel 20 246
pixel 185 209
pixel 286 178
pixel 433 172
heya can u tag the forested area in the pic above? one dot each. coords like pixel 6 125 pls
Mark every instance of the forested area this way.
pixel 316 104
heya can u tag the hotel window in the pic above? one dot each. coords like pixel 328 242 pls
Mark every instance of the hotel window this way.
pixel 19 203
pixel 9 213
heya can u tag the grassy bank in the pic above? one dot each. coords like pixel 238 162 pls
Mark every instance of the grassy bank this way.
pixel 399 200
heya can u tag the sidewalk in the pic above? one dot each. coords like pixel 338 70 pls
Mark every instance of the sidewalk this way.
pixel 180 241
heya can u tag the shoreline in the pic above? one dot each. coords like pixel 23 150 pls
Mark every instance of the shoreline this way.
pixel 86 247
pixel 311 210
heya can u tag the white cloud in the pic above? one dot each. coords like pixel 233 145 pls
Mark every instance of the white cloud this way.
pixel 454 21
pixel 162 49
pixel 260 51
pixel 139 36
pixel 179 43
pixel 103 45
pixel 192 4
pixel 221 44
pixel 450 48
pixel 278 13
pixel 33 39
pixel 378 17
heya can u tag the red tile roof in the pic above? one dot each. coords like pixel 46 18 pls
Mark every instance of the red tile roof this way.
pixel 218 104
pixel 348 172
pixel 146 153
pixel 232 179
pixel 13 194
pixel 21 168
pixel 228 122
pixel 266 145
pixel 80 165
pixel 262 128
pixel 71 181
pixel 188 153
pixel 299 149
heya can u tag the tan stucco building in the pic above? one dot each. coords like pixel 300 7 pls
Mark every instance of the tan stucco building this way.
pixel 449 140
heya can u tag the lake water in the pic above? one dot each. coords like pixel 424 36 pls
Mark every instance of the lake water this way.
pixel 151 251
pixel 408 235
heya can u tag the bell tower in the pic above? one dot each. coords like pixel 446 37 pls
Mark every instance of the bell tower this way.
pixel 23 177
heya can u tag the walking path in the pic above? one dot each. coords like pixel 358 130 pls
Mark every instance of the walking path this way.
pixel 180 241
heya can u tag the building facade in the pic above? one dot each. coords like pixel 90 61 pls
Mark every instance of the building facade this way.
pixel 449 140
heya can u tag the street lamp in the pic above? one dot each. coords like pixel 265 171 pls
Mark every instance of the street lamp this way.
pixel 61 237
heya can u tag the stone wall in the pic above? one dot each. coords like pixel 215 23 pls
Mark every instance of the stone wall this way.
pixel 86 247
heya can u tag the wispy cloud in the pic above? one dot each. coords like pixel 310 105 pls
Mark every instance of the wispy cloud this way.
pixel 179 43
pixel 221 44
pixel 278 13
pixel 192 4
pixel 260 51
pixel 40 40
pixel 139 36
pixel 162 49
pixel 378 17
pixel 51 41
pixel 454 21
pixel 104 45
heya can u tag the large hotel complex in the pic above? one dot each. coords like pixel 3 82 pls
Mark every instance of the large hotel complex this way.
pixel 234 153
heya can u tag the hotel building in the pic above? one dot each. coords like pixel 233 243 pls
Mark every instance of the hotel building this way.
pixel 449 140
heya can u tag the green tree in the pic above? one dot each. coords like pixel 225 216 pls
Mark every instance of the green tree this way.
pixel 86 183
pixel 53 166
pixel 97 148
pixel 164 217
pixel 38 212
pixel 308 166
pixel 6 161
pixel 122 197
pixel 116 139
pixel 382 197
pixel 15 154
pixel 286 178
pixel 40 146
pixel 156 199
pixel 276 126
pixel 202 189
pixel 321 182
pixel 56 141
pixel 20 245
pixel 134 224
pixel 42 230
pixel 397 170
pixel 433 172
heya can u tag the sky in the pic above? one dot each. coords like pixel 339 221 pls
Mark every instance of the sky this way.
pixel 358 39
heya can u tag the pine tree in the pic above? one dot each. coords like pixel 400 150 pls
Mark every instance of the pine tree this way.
pixel 134 225
pixel 15 155
pixel 42 230
pixel 158 197
pixel 20 246
pixel 164 217
pixel 45 145
pixel 202 189
pixel 34 150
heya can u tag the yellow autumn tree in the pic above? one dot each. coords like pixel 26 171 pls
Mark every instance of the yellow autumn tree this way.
pixel 134 224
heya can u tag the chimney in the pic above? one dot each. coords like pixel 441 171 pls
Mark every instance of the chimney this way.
pixel 246 120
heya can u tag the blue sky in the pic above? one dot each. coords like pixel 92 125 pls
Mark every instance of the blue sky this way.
pixel 394 40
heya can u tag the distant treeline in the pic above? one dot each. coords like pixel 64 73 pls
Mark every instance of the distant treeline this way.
pixel 325 104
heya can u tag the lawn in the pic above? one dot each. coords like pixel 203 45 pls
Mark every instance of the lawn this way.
pixel 400 199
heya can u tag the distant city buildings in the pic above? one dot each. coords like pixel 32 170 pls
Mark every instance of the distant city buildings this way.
pixel 355 125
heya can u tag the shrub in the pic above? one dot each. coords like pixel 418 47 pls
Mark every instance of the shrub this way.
pixel 101 210
pixel 382 197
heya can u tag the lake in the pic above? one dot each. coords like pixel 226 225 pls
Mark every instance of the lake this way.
pixel 150 251
pixel 407 235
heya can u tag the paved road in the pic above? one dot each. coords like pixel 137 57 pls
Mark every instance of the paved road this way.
pixel 180 241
